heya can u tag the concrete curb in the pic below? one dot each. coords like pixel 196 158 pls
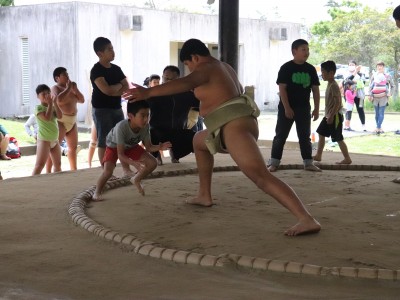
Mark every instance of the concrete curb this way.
pixel 153 249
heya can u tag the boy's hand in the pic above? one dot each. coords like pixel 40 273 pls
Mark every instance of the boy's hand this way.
pixel 136 93
pixel 49 99
pixel 329 120
pixel 289 113
pixel 315 114
pixel 165 146
pixel 73 85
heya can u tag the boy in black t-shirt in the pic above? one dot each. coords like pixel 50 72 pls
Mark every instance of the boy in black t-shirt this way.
pixel 109 83
pixel 296 79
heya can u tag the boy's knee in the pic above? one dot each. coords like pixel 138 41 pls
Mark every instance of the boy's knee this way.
pixel 152 164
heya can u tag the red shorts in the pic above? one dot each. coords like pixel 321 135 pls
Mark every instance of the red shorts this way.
pixel 133 153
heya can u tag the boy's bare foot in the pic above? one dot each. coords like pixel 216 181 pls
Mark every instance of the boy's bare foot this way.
pixel 397 180
pixel 344 162
pixel 273 168
pixel 4 157
pixel 304 227
pixel 312 168
pixel 205 202
pixel 317 158
pixel 96 197
pixel 138 185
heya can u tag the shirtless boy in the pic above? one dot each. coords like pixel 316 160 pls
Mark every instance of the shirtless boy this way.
pixel 230 117
pixel 123 144
pixel 68 96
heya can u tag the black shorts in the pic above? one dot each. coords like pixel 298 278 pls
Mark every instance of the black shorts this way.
pixel 333 130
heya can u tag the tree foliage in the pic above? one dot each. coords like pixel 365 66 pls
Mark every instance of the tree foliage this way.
pixel 359 33
pixel 6 2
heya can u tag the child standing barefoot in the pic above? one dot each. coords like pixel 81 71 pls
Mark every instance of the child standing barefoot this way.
pixel 332 124
pixel 123 144
pixel 47 113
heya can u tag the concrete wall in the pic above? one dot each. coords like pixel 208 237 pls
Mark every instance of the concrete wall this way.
pixel 62 35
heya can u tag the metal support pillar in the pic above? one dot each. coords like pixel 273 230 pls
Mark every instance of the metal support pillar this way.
pixel 228 34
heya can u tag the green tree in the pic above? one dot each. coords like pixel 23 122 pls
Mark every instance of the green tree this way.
pixel 357 32
pixel 6 2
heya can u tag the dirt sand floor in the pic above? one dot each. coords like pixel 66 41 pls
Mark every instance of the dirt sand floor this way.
pixel 44 255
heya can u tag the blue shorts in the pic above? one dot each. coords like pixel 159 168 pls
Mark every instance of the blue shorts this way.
pixel 333 130
pixel 105 119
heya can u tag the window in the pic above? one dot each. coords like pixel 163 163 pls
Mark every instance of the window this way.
pixel 25 71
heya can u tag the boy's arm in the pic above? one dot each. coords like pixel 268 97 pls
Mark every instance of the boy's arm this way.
pixel 48 114
pixel 57 109
pixel 335 108
pixel 60 95
pixel 28 124
pixel 197 78
pixel 79 96
pixel 154 148
pixel 289 113
pixel 316 97
pixel 121 154
pixel 109 90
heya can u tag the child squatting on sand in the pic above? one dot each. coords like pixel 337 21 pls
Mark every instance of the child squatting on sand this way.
pixel 123 144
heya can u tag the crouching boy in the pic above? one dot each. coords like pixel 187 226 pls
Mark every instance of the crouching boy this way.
pixel 123 143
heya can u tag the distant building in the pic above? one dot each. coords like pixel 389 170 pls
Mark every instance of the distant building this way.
pixel 35 39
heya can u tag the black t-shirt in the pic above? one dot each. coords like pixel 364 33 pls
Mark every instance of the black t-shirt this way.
pixel 171 112
pixel 112 75
pixel 299 80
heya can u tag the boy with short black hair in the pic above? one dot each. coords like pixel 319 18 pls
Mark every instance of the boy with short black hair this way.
pixel 47 113
pixel 68 96
pixel 296 80
pixel 332 124
pixel 154 80
pixel 109 82
pixel 123 144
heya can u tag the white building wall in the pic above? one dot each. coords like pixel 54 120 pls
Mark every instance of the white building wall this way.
pixel 62 34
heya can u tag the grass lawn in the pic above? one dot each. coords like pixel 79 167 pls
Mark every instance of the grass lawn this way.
pixel 383 144
pixel 16 129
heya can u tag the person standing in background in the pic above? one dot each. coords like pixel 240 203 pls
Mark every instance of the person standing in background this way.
pixel 109 83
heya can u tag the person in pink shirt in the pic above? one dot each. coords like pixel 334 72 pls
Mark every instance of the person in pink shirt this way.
pixel 349 94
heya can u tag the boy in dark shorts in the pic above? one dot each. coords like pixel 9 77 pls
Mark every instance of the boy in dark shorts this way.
pixel 123 144
pixel 332 124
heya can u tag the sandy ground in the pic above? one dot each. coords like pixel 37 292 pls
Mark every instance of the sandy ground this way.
pixel 44 255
